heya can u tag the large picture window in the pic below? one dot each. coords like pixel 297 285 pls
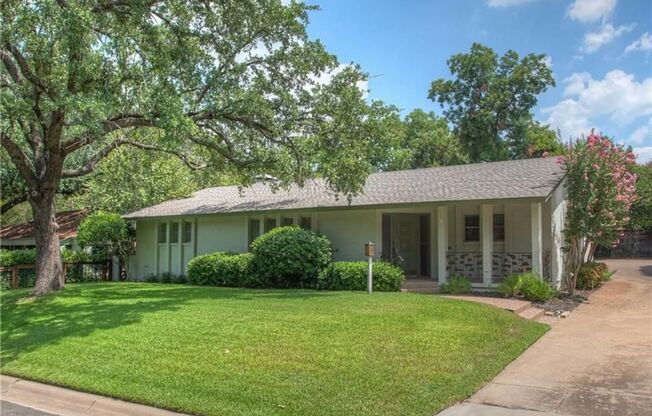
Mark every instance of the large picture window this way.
pixel 305 223
pixel 471 228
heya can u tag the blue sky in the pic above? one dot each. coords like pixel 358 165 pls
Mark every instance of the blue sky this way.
pixel 600 51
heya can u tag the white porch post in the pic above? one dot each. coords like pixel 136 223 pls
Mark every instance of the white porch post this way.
pixel 487 233
pixel 442 243
pixel 537 238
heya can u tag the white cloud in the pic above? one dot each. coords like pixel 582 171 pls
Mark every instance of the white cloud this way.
pixel 548 61
pixel 643 154
pixel 644 43
pixel 507 3
pixel 642 134
pixel 618 97
pixel 606 34
pixel 591 10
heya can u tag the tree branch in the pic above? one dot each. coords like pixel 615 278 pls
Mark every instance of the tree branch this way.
pixel 19 159
pixel 5 207
pixel 11 66
pixel 104 152
pixel 26 71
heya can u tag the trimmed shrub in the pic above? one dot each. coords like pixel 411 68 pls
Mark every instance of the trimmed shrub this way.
pixel 456 285
pixel 290 257
pixel 592 275
pixel 527 285
pixel 509 285
pixel 352 275
pixel 223 269
pixel 13 257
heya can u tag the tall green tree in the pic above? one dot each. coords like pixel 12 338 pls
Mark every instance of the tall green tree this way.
pixel 641 213
pixel 427 141
pixel 489 100
pixel 234 84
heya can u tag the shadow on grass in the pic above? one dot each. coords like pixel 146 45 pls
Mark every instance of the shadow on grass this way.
pixel 29 323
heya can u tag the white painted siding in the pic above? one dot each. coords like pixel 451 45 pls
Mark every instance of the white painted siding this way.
pixel 221 233
pixel 349 231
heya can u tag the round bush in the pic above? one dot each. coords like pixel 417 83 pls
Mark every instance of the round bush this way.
pixel 290 257
pixel 352 275
pixel 527 285
pixel 592 275
pixel 456 285
pixel 222 269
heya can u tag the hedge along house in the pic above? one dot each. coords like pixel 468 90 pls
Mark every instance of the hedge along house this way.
pixel 483 221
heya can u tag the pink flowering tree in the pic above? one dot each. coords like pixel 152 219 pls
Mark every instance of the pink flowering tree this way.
pixel 601 189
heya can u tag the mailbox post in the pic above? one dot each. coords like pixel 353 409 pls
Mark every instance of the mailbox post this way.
pixel 370 252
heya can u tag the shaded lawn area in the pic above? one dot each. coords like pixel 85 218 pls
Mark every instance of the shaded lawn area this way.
pixel 219 351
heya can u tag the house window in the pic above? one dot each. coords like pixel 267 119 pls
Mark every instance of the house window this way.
pixel 254 230
pixel 270 224
pixel 499 227
pixel 471 228
pixel 162 233
pixel 186 232
pixel 174 232
pixel 305 223
pixel 287 221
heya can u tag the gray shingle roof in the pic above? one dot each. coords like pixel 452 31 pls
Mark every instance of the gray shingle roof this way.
pixel 529 178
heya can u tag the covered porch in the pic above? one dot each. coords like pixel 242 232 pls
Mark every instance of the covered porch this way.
pixel 484 242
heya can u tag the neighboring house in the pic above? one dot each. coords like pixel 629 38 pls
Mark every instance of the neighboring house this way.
pixel 22 235
pixel 483 221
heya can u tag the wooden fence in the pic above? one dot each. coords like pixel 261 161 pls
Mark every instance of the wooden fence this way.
pixel 73 272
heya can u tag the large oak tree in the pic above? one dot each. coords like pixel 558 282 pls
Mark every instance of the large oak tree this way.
pixel 232 85
pixel 490 99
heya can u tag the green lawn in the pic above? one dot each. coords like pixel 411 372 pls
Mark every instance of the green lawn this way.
pixel 222 351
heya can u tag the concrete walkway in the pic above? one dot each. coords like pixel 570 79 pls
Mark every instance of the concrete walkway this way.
pixel 598 362
pixel 27 398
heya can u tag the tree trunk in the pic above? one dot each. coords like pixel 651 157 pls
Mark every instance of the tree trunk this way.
pixel 49 268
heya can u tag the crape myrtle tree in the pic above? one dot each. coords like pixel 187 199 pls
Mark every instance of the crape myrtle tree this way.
pixel 601 189
pixel 232 85
pixel 489 100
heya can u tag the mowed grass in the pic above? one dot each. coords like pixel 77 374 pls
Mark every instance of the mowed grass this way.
pixel 220 351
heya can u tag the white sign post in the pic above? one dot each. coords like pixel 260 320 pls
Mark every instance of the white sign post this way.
pixel 370 251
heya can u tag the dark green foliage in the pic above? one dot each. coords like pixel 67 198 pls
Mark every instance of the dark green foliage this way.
pixel 28 256
pixel 509 286
pixel 641 211
pixel 592 275
pixel 14 257
pixel 223 269
pixel 290 257
pixel 456 285
pixel 490 98
pixel 527 285
pixel 352 275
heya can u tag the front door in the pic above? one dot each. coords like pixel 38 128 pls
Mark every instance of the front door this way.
pixel 405 242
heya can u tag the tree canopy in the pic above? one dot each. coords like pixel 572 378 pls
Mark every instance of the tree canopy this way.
pixel 234 85
pixel 489 100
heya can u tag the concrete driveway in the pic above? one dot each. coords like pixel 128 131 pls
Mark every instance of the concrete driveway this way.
pixel 597 362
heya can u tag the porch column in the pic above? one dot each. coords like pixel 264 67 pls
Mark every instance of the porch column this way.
pixel 537 238
pixel 487 233
pixel 442 243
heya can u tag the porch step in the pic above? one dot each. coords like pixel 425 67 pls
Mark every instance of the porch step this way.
pixel 419 286
pixel 531 313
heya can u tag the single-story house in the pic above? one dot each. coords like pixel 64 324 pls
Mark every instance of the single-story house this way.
pixel 483 221
pixel 21 236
